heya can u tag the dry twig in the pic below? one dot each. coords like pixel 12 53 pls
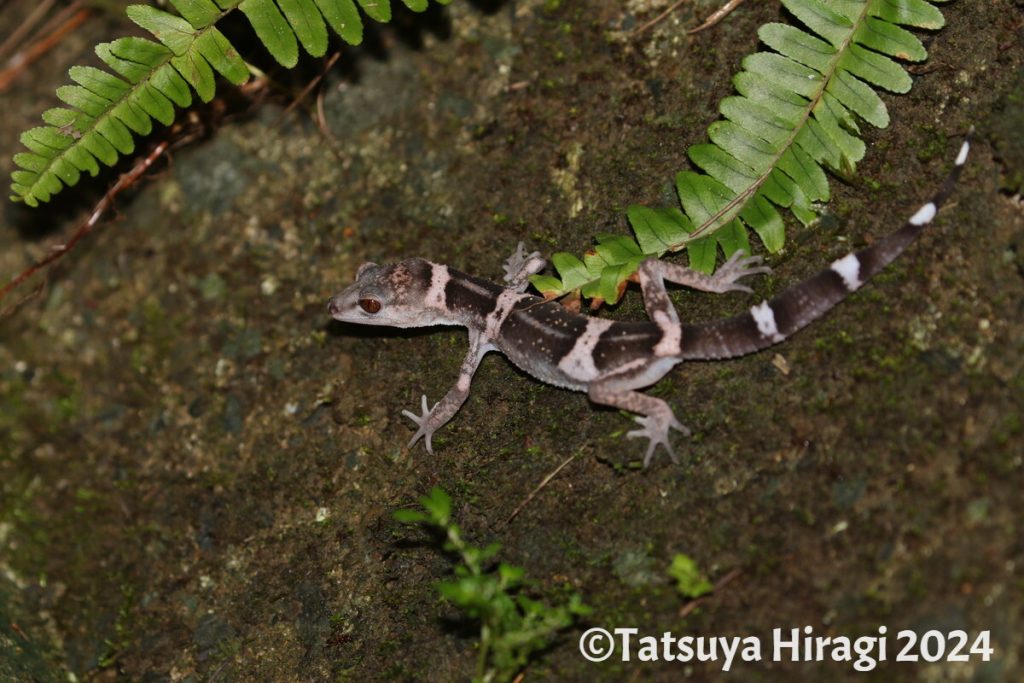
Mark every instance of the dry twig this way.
pixel 66 21
pixel 716 17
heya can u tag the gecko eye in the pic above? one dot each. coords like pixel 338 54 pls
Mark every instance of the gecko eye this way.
pixel 370 305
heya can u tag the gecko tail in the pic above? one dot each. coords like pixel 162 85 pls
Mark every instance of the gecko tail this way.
pixel 770 322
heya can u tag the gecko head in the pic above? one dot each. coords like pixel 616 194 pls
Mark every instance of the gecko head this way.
pixel 386 295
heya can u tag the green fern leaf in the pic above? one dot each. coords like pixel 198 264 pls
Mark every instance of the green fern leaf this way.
pixel 909 13
pixel 198 13
pixel 379 10
pixel 797 113
pixel 273 31
pixel 107 110
pixel 616 249
pixel 891 40
pixel 658 229
pixel 172 31
pixel 197 72
pixel 221 55
pixel 307 23
pixel 574 273
pixel 100 82
pixel 703 197
pixel 343 18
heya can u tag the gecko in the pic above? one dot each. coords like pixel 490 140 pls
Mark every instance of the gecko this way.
pixel 609 360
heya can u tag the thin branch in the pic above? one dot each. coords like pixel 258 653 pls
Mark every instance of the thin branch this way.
pixel 26 27
pixel 717 16
pixel 9 310
pixel 22 60
pixel 672 8
pixel 308 89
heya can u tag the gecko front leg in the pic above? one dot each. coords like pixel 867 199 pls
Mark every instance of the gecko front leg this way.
pixel 434 418
pixel 519 267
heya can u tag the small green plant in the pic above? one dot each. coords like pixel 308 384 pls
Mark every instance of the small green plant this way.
pixel 690 581
pixel 512 626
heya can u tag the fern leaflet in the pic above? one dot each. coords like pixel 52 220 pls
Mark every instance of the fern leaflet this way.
pixel 796 114
pixel 107 111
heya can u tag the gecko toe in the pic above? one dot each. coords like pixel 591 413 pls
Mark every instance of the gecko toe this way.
pixel 650 454
pixel 514 262
pixel 736 257
pixel 423 423
pixel 680 427
pixel 656 431
pixel 520 264
pixel 738 266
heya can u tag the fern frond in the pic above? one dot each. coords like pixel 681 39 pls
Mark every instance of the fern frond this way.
pixel 106 111
pixel 796 114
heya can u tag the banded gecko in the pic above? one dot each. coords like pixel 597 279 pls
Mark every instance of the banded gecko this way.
pixel 608 360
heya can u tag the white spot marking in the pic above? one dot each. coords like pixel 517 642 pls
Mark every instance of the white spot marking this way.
pixel 671 335
pixel 578 364
pixel 924 215
pixel 764 316
pixel 965 149
pixel 848 268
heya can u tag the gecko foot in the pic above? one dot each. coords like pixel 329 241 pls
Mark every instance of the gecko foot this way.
pixel 519 262
pixel 738 266
pixel 655 428
pixel 426 429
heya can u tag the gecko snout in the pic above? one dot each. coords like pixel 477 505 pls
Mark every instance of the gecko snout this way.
pixel 333 306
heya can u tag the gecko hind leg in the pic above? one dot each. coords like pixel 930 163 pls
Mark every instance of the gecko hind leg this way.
pixel 655 416
pixel 653 273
